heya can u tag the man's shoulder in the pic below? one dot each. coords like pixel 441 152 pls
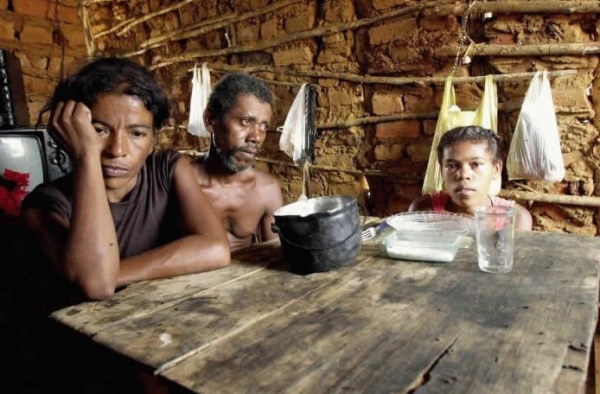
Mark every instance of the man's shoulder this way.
pixel 265 179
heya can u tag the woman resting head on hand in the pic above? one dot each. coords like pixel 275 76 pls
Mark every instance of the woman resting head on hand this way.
pixel 125 213
pixel 469 158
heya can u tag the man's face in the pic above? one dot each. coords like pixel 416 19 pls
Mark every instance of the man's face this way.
pixel 467 169
pixel 240 133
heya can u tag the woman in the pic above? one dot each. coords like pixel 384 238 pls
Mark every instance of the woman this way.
pixel 125 214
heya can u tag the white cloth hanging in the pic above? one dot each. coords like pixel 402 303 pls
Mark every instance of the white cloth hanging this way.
pixel 293 131
pixel 201 91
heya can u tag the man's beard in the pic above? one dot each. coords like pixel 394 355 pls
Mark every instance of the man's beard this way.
pixel 229 162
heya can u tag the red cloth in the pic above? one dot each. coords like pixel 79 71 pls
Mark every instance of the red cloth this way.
pixel 10 200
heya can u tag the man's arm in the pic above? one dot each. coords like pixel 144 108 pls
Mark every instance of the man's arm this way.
pixel 273 200
pixel 204 246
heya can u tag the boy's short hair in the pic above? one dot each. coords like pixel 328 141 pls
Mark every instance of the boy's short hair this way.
pixel 227 90
pixel 471 133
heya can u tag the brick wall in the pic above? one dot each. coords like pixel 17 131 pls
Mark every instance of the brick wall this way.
pixel 393 154
pixel 45 37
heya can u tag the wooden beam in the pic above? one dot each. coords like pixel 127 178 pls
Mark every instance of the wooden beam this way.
pixel 585 201
pixel 45 50
pixel 519 7
pixel 206 26
pixel 317 32
pixel 498 78
pixel 84 15
pixel 576 49
pixel 503 107
pixel 125 26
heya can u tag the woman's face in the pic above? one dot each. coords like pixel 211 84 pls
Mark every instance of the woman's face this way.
pixel 124 125
pixel 467 170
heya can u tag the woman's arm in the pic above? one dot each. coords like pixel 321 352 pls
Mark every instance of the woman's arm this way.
pixel 85 249
pixel 203 248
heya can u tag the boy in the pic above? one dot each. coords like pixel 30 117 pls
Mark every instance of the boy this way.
pixel 470 158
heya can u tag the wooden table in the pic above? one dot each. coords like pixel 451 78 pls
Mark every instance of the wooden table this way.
pixel 379 326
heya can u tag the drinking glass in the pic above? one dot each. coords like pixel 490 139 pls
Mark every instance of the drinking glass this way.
pixel 495 238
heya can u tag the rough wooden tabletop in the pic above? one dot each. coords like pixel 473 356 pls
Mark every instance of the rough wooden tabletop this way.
pixel 377 326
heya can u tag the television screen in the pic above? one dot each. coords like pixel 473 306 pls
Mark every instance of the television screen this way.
pixel 32 151
pixel 23 154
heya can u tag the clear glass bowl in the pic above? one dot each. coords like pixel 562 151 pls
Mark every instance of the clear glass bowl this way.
pixel 435 245
pixel 428 221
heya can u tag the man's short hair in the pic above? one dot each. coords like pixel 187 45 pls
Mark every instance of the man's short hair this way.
pixel 227 90
pixel 471 133
pixel 118 76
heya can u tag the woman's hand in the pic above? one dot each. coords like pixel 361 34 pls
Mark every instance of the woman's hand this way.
pixel 71 127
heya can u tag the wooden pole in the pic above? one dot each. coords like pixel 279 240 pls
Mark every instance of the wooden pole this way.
pixel 504 107
pixel 519 7
pixel 368 173
pixel 84 16
pixel 317 32
pixel 586 201
pixel 206 26
pixel 498 78
pixel 131 22
pixel 577 49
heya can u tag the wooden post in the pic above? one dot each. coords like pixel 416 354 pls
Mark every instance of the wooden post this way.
pixel 518 7
pixel 577 49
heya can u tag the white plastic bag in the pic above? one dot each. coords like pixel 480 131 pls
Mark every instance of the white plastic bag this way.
pixel 452 116
pixel 535 152
pixel 200 93
pixel 293 136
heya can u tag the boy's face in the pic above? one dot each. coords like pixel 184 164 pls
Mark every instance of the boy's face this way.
pixel 240 133
pixel 467 170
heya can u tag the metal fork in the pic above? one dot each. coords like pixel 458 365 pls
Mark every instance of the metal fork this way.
pixel 369 233
pixel 373 231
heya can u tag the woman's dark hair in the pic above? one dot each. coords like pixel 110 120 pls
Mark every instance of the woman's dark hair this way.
pixel 227 90
pixel 471 133
pixel 118 76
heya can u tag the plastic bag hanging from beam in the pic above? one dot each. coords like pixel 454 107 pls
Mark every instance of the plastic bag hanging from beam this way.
pixel 452 116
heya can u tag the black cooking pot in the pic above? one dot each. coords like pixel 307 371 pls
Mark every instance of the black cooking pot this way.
pixel 319 234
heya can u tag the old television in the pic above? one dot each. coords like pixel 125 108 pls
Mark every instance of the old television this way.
pixel 31 150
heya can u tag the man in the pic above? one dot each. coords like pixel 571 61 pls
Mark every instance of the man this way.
pixel 237 116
